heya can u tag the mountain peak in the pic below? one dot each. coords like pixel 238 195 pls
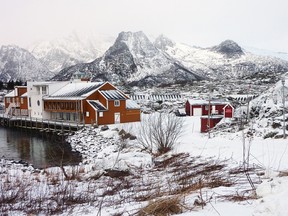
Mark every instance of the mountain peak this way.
pixel 162 42
pixel 229 48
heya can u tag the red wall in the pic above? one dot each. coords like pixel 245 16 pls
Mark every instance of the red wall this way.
pixel 228 113
pixel 204 123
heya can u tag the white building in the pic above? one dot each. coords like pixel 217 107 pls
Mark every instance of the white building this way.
pixel 36 91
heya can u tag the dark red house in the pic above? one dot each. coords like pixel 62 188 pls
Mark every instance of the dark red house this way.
pixel 201 107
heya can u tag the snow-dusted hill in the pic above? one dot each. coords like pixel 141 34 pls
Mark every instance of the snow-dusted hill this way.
pixel 227 60
pixel 133 59
pixel 73 49
pixel 18 63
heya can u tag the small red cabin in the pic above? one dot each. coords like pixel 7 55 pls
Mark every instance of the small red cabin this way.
pixel 205 122
pixel 201 107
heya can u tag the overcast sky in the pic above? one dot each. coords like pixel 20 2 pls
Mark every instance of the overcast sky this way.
pixel 257 23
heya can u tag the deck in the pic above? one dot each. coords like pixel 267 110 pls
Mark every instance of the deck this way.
pixel 42 125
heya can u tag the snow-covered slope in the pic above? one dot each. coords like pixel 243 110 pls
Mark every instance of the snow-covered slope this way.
pixel 270 103
pixel 227 60
pixel 133 59
pixel 73 49
pixel 18 63
pixel 263 52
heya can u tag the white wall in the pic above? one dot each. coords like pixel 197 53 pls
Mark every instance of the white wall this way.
pixel 35 95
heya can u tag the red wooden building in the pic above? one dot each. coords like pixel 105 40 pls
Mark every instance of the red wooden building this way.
pixel 201 107
pixel 16 101
pixel 91 103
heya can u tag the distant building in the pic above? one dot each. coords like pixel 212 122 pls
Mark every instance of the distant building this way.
pixel 218 109
pixel 201 107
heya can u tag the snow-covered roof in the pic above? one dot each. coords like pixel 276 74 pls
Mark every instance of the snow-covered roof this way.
pixel 42 83
pixel 130 104
pixel 25 94
pixel 164 97
pixel 97 105
pixel 205 102
pixel 113 94
pixel 11 94
pixel 76 90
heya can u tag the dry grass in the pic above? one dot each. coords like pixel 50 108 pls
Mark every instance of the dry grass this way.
pixel 162 207
pixel 283 173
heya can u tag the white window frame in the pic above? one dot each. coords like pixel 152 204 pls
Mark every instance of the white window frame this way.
pixel 8 100
pixel 116 103
pixel 100 114
pixel 87 114
pixel 22 100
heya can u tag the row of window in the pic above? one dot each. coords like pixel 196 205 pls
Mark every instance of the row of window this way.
pixel 99 113
pixel 61 106
pixel 8 100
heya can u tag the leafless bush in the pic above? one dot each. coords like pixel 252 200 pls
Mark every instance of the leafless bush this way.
pixel 160 132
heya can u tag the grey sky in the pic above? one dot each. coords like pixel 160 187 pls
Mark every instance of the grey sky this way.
pixel 257 23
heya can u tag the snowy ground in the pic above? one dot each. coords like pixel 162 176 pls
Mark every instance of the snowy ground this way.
pixel 100 150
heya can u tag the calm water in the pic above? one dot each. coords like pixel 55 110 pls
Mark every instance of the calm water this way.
pixel 37 149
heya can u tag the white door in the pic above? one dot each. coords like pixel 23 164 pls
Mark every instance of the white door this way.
pixel 197 111
pixel 116 118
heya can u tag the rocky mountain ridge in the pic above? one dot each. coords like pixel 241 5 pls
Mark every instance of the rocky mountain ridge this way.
pixel 133 60
pixel 19 64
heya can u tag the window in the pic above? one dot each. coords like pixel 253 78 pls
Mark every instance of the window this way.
pixel 116 103
pixel 44 90
pixel 100 114
pixel 87 114
pixel 38 102
pixel 8 100
pixel 29 102
pixel 22 100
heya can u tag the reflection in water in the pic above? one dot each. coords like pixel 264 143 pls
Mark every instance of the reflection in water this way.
pixel 38 149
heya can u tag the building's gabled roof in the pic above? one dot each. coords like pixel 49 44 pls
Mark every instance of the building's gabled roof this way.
pixel 228 104
pixel 76 90
pixel 113 94
pixel 97 105
pixel 11 94
pixel 130 104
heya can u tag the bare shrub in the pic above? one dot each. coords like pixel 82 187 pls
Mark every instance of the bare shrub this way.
pixel 160 132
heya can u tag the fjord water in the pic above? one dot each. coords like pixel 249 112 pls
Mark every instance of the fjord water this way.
pixel 40 150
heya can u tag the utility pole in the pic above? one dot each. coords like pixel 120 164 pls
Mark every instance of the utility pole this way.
pixel 209 111
pixel 284 117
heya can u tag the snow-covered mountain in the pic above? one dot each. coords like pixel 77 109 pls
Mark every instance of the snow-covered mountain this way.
pixel 18 63
pixel 133 59
pixel 227 60
pixel 73 49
